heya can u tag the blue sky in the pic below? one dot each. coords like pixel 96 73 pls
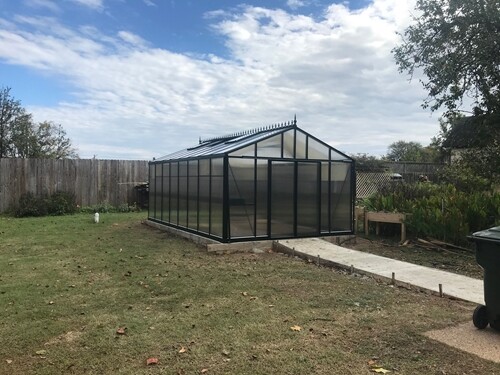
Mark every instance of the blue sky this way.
pixel 137 79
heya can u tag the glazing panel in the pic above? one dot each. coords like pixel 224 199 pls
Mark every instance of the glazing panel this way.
pixel 288 144
pixel 183 168
pixel 152 191
pixel 204 204
pixel 245 151
pixel 193 168
pixel 337 156
pixel 158 195
pixel 183 200
pixel 341 203
pixel 204 167
pixel 217 167
pixel 325 184
pixel 282 199
pixel 174 198
pixel 261 198
pixel 193 202
pixel 317 150
pixel 241 197
pixel 216 207
pixel 270 147
pixel 174 169
pixel 308 198
pixel 166 193
pixel 300 140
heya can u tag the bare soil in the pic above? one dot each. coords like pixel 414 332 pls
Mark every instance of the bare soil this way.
pixel 457 261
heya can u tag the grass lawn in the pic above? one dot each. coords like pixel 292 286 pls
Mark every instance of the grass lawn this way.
pixel 67 285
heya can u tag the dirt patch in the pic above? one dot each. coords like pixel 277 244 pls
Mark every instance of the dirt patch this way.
pixel 483 343
pixel 460 262
pixel 67 337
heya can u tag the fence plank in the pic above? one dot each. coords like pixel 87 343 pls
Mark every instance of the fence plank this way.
pixel 92 181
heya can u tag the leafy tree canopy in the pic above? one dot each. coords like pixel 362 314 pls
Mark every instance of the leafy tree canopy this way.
pixel 21 137
pixel 411 151
pixel 456 43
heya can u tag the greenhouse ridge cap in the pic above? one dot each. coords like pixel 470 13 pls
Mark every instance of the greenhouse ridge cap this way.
pixel 250 132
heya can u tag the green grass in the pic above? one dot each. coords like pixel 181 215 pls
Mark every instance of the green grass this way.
pixel 67 285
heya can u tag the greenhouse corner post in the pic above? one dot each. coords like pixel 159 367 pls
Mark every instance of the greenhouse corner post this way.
pixel 225 200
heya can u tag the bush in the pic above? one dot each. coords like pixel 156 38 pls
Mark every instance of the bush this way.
pixel 29 205
pixel 59 203
pixel 62 203
pixel 439 211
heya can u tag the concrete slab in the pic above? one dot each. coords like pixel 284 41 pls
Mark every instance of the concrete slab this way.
pixel 425 278
pixel 483 343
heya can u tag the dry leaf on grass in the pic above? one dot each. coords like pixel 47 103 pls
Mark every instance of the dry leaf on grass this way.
pixel 296 328
pixel 380 370
pixel 41 352
pixel 244 294
pixel 204 371
pixel 151 361
pixel 9 361
pixel 182 350
pixel 121 331
pixel 372 362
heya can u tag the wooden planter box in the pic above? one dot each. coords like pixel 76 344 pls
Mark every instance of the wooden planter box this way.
pixel 386 217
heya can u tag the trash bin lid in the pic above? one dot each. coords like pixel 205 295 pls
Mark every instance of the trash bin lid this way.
pixel 492 234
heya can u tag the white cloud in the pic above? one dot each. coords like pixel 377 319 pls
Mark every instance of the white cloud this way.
pixel 93 4
pixel 43 4
pixel 149 3
pixel 336 73
pixel 295 4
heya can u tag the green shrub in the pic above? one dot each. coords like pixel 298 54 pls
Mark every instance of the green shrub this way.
pixel 439 211
pixel 30 205
pixel 62 203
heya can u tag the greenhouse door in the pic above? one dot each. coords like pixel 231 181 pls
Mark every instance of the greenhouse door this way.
pixel 294 199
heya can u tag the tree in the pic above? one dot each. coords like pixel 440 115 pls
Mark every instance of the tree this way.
pixel 11 114
pixel 20 137
pixel 457 45
pixel 411 151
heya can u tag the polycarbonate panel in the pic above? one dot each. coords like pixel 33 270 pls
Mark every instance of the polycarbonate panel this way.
pixel 217 167
pixel 165 204
pixel 288 144
pixel 204 167
pixel 174 190
pixel 152 191
pixel 341 200
pixel 325 193
pixel 282 199
pixel 300 145
pixel 261 198
pixel 158 195
pixel 308 199
pixel 241 197
pixel 317 150
pixel 204 204
pixel 337 155
pixel 216 207
pixel 245 151
pixel 183 200
pixel 270 147
pixel 193 194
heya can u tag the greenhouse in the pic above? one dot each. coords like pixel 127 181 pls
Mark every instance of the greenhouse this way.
pixel 269 183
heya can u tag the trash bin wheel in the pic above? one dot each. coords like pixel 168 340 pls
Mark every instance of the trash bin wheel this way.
pixel 480 317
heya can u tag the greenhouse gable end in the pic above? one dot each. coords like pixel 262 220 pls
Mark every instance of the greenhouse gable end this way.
pixel 270 183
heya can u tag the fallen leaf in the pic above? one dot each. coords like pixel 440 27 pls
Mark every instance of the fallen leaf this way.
pixel 182 350
pixel 121 330
pixel 41 352
pixel 296 328
pixel 253 298
pixel 9 361
pixel 151 361
pixel 380 370
pixel 244 294
pixel 226 352
pixel 371 362
pixel 204 371
pixel 51 302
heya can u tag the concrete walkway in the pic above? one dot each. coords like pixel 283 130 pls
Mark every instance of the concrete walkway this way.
pixel 452 285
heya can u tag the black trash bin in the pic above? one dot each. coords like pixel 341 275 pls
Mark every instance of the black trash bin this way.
pixel 488 256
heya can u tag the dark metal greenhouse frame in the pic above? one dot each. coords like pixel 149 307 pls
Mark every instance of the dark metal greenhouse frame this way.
pixel 244 187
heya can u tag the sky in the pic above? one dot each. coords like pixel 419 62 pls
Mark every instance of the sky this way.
pixel 138 79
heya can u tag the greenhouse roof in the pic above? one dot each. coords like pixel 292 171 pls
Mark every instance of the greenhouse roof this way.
pixel 232 142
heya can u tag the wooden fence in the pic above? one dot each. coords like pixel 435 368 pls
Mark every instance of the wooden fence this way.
pixel 92 181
